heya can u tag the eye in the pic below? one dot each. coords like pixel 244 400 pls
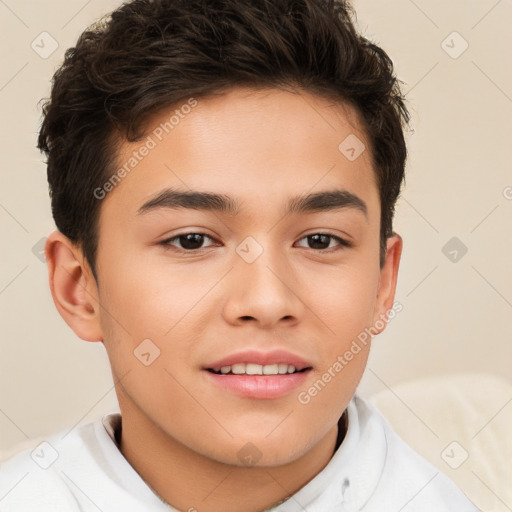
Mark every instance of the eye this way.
pixel 189 241
pixel 322 241
pixel 193 242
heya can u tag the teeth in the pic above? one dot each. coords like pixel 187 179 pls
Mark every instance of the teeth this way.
pixel 283 368
pixel 238 369
pixel 253 369
pixel 271 369
pixel 257 369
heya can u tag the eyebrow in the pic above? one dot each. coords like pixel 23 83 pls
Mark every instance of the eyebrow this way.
pixel 310 203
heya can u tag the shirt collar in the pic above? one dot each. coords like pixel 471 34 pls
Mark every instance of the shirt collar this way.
pixel 352 475
pixel 349 479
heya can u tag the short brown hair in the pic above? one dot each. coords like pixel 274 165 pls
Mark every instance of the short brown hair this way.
pixel 148 55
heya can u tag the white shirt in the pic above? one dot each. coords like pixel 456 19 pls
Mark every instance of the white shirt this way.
pixel 372 471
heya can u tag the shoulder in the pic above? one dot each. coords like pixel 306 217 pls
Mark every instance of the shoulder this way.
pixel 81 470
pixel 407 480
pixel 33 479
pixel 41 478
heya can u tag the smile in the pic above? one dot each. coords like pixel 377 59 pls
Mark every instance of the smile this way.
pixel 257 369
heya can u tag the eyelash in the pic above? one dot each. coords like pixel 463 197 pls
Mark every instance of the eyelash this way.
pixel 167 243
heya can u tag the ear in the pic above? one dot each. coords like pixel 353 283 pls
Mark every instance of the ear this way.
pixel 73 287
pixel 387 282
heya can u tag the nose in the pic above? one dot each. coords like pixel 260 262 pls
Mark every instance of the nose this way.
pixel 265 291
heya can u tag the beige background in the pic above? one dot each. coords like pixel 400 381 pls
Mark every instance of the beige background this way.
pixel 456 315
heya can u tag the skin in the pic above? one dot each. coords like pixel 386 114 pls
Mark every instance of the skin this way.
pixel 181 433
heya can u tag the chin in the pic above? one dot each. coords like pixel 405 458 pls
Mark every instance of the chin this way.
pixel 258 452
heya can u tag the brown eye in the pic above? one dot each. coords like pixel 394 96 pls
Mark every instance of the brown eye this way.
pixel 322 241
pixel 187 241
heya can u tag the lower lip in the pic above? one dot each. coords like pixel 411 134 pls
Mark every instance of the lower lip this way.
pixel 263 387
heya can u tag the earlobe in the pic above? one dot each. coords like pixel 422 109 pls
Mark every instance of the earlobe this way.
pixel 73 287
pixel 388 279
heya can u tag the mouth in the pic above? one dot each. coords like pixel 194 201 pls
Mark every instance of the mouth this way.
pixel 258 369
pixel 258 375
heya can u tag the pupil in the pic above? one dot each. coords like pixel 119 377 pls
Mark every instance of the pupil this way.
pixel 191 241
pixel 319 239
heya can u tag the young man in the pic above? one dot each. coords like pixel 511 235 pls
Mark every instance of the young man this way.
pixel 223 177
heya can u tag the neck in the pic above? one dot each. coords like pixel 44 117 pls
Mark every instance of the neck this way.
pixel 190 481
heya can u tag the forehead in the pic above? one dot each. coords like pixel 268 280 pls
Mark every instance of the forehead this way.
pixel 248 144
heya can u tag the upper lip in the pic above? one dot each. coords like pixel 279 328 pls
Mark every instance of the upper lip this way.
pixel 263 358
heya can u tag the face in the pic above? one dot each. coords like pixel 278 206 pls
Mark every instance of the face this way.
pixel 196 302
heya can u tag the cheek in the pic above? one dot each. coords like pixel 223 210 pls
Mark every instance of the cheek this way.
pixel 346 309
pixel 346 302
pixel 150 323
pixel 148 298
